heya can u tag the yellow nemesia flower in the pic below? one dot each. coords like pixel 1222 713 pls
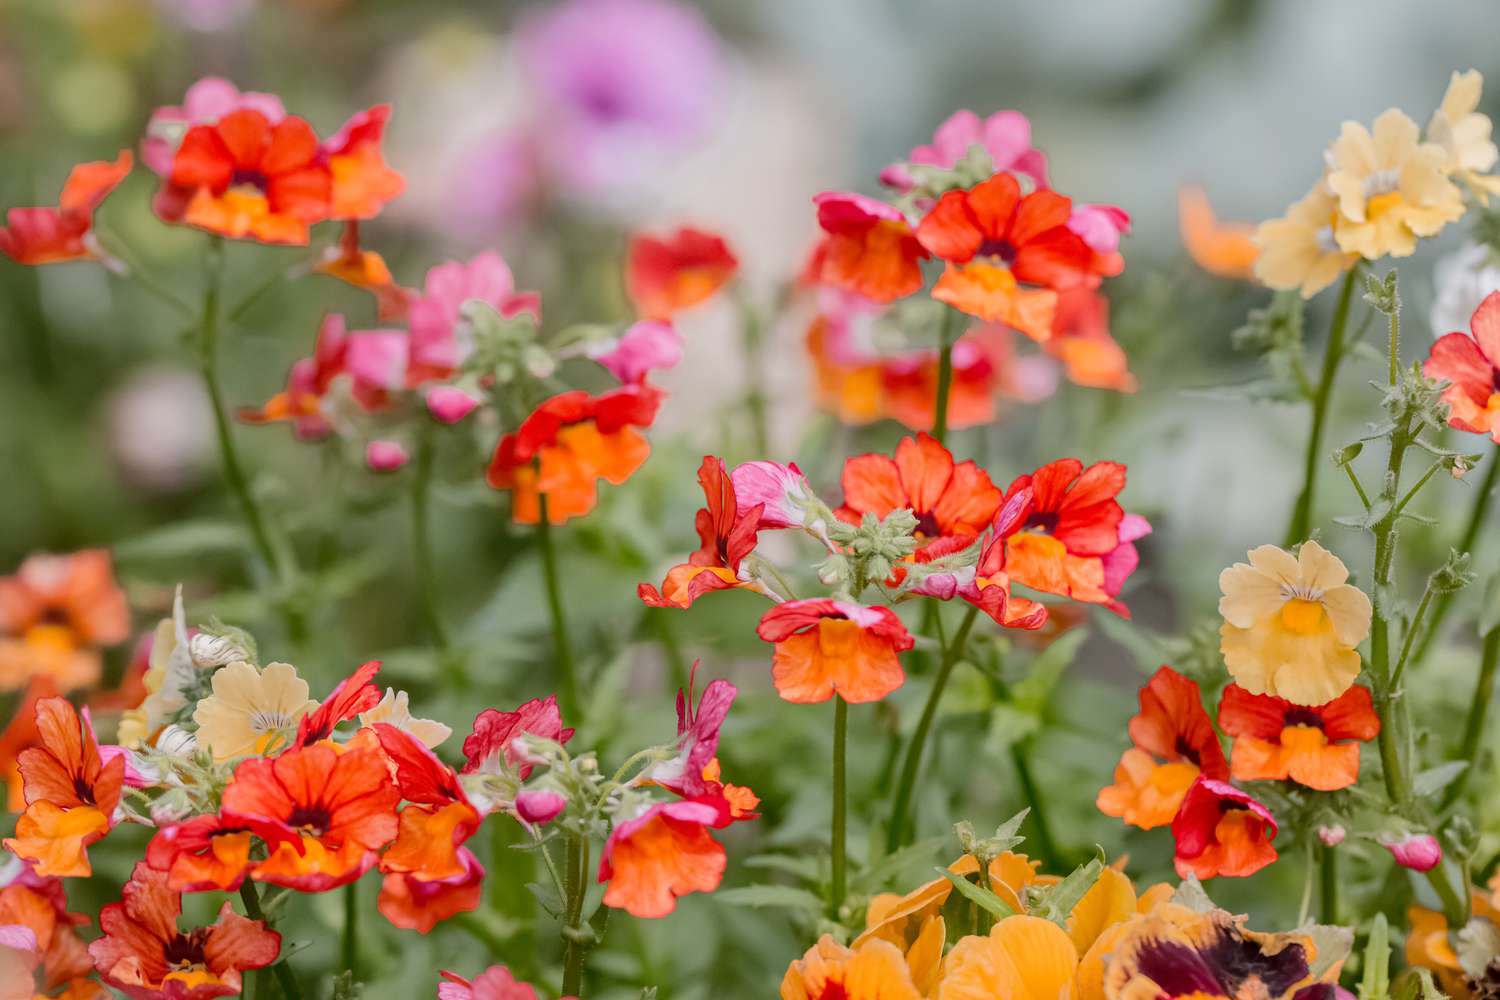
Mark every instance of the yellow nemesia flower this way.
pixel 1391 187
pixel 1022 958
pixel 1464 134
pixel 1291 624
pixel 1298 250
pixel 393 710
pixel 250 710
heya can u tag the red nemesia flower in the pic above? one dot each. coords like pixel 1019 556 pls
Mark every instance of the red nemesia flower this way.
pixel 949 499
pixel 1174 744
pixel 727 533
pixel 414 904
pixel 51 235
pixel 489 749
pixel 494 983
pixel 1221 830
pixel 1082 342
pixel 252 179
pixel 71 794
pixel 438 818
pixel 665 276
pixel 206 853
pixel 986 584
pixel 351 696
pixel 567 445
pixel 54 613
pixel 659 855
pixel 143 954
pixel 869 247
pixel 1075 537
pixel 1315 746
pixel 327 812
pixel 1470 362
pixel 362 183
pixel 825 647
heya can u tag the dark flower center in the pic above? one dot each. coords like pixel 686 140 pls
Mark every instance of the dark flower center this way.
pixel 1044 521
pixel 249 178
pixel 83 790
pixel 1004 249
pixel 1187 751
pixel 184 951
pixel 1297 715
pixel 927 525
pixel 313 820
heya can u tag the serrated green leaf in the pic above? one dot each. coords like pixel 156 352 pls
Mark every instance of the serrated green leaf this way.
pixel 978 895
pixel 777 896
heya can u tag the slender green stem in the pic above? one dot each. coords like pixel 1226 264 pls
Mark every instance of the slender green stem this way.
pixel 1309 874
pixel 753 343
pixel 139 275
pixel 567 674
pixel 574 933
pixel 1479 708
pixel 1301 521
pixel 1359 487
pixel 1328 899
pixel 1046 844
pixel 897 834
pixel 349 942
pixel 1417 486
pixel 952 329
pixel 280 969
pixel 666 633
pixel 1466 544
pixel 421 540
pixel 1411 634
pixel 838 832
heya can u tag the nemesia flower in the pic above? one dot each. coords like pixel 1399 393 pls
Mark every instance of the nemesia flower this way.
pixel 986 584
pixel 1314 746
pixel 1004 135
pixel 1224 249
pixel 55 612
pixel 1221 830
pixel 1391 187
pixel 251 178
pixel 1291 624
pixel 727 533
pixel 491 745
pixel 144 954
pixel 206 101
pixel 19 955
pixel 438 818
pixel 52 235
pixel 539 806
pixel 362 183
pixel 71 792
pixel 664 276
pixel 330 813
pixel 1418 851
pixel 1429 944
pixel 1462 280
pixel 873 969
pixel 1029 958
pixel 436 347
pixel 949 499
pixel 1470 363
pixel 663 853
pixel 567 444
pixel 869 247
pixel 782 493
pixel 1100 226
pixel 206 852
pixel 644 347
pixel 353 265
pixel 494 983
pixel 420 905
pixel 697 735
pixel 252 711
pixel 1332 836
pixel 1076 540
pixel 1464 134
pixel 38 906
pixel 349 697
pixel 826 647
pixel 1174 743
pixel 20 733
pixel 385 456
pixel 1082 342
pixel 1299 250
pixel 394 710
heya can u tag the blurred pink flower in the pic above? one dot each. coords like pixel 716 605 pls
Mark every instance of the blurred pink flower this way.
pixel 539 806
pixel 206 101
pixel 1005 135
pixel 1418 851
pixel 435 348
pixel 491 184
pixel 384 456
pixel 620 85
pixel 643 347
pixel 1100 226
pixel 207 16
pixel 449 403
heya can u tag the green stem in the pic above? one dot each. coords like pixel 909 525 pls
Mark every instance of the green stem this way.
pixel 574 934
pixel 1301 521
pixel 897 833
pixel 952 329
pixel 421 540
pixel 1411 634
pixel 567 675
pixel 1465 544
pixel 1046 845
pixel 1393 351
pixel 753 343
pixel 1328 900
pixel 838 833
pixel 1392 741
pixel 280 969
pixel 1479 707
pixel 349 943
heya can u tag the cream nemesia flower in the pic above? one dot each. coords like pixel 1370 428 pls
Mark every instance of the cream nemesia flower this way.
pixel 1391 187
pixel 250 710
pixel 169 672
pixel 393 710
pixel 1464 135
pixel 1298 250
pixel 1291 624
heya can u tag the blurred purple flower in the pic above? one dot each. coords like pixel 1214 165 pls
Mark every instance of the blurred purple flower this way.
pixel 206 16
pixel 493 182
pixel 620 85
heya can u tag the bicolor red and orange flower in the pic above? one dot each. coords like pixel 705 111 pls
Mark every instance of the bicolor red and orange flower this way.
pixel 1220 830
pixel 826 647
pixel 54 234
pixel 868 247
pixel 727 534
pixel 950 499
pixel 665 852
pixel 666 275
pixel 1470 364
pixel 1316 746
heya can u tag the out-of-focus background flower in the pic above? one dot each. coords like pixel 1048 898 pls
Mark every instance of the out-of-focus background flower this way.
pixel 549 131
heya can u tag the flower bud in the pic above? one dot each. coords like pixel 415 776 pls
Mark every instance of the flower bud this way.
pixel 539 806
pixel 1332 835
pixel 174 741
pixel 218 649
pixel 173 807
pixel 1418 851
pixel 384 456
pixel 450 404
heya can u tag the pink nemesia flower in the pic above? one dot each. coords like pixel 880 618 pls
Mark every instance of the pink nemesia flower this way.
pixel 206 101
pixel 385 456
pixel 782 491
pixel 1420 852
pixel 1005 135
pixel 449 403
pixel 435 348
pixel 1100 226
pixel 644 347
pixel 490 748
pixel 1123 559
pixel 494 983
pixel 539 805
pixel 697 736
pixel 1332 836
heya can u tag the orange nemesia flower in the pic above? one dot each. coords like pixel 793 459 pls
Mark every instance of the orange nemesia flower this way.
pixel 663 853
pixel 329 813
pixel 869 247
pixel 1220 830
pixel 71 794
pixel 872 970
pixel 727 534
pixel 826 647
pixel 413 904
pixel 664 276
pixel 1174 744
pixel 1225 249
pixel 54 613
pixel 361 181
pixel 1315 746
pixel 51 235
pixel 38 905
pixel 19 734
pixel 1429 945
pixel 949 499
pixel 567 445
pixel 438 818
pixel 366 269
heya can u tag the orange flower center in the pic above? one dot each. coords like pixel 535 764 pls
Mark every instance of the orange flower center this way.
pixel 1381 203
pixel 1302 616
pixel 50 635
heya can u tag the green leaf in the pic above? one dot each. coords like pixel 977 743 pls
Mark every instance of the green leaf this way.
pixel 182 540
pixel 1047 669
pixel 804 868
pixel 778 896
pixel 1056 903
pixel 1435 779
pixel 892 866
pixel 978 895
pixel 1376 982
